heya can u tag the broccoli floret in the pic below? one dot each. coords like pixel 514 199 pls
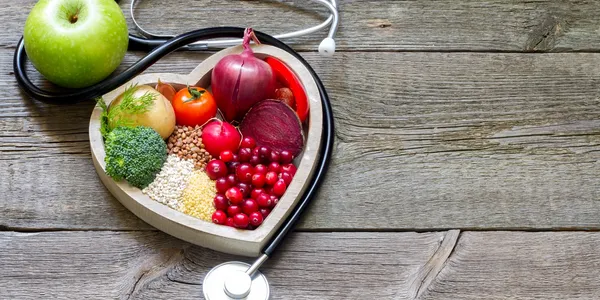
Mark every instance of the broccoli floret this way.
pixel 135 154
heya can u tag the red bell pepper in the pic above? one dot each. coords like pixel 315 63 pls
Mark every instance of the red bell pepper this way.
pixel 288 79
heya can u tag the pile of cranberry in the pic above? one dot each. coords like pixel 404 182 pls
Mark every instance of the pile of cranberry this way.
pixel 249 183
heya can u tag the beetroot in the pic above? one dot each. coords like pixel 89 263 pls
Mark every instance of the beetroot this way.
pixel 274 124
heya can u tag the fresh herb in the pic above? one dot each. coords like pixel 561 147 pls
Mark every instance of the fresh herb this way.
pixel 129 105
pixel 104 128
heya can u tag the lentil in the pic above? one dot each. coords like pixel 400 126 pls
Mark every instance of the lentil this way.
pixel 186 142
pixel 197 197
pixel 170 181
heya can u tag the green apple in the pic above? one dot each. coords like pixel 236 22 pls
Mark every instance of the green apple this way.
pixel 75 43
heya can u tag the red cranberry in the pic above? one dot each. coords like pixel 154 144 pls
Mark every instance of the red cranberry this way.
pixel 274 167
pixel 216 168
pixel 244 154
pixel 229 222
pixel 264 151
pixel 234 195
pixel 235 157
pixel 256 192
pixel 232 166
pixel 264 212
pixel 220 202
pixel 279 188
pixel 274 200
pixel 219 217
pixel 231 180
pixel 226 156
pixel 244 188
pixel 275 156
pixel 244 173
pixel 233 210
pixel 249 206
pixel 248 142
pixel 256 218
pixel 264 200
pixel 286 157
pixel 286 177
pixel 222 185
pixel 260 168
pixel 256 151
pixel 241 221
pixel 289 168
pixel 258 180
pixel 271 178
pixel 255 160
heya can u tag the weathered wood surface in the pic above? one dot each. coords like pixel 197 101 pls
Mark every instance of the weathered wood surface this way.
pixel 388 25
pixel 425 140
pixel 438 140
pixel 152 265
pixel 520 265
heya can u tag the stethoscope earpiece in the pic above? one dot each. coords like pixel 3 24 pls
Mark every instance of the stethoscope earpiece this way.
pixel 327 47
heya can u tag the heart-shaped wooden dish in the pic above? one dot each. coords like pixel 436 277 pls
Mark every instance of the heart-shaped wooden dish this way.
pixel 188 228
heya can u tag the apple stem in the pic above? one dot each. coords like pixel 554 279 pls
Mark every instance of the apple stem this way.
pixel 73 19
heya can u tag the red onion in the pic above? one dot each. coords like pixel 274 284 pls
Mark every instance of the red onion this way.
pixel 241 80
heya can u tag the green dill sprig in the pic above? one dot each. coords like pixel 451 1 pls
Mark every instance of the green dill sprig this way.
pixel 104 128
pixel 117 115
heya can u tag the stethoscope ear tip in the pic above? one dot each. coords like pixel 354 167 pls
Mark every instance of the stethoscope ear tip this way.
pixel 327 47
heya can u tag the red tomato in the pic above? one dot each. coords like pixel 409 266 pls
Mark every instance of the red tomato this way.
pixel 286 77
pixel 194 106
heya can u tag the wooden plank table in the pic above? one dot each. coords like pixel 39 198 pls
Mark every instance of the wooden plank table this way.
pixel 466 164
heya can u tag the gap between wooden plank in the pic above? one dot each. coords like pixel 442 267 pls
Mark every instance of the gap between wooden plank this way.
pixel 4 228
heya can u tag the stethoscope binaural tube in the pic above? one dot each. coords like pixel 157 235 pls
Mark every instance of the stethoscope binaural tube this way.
pixel 326 47
pixel 159 50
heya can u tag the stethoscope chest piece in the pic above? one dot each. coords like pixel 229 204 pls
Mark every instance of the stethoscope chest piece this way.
pixel 230 280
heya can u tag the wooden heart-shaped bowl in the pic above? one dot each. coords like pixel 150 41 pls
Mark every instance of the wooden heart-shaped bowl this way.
pixel 217 237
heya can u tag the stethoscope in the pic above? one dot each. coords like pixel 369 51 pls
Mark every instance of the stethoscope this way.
pixel 326 47
pixel 230 280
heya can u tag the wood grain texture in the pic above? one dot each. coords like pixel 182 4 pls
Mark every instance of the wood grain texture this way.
pixel 152 265
pixel 463 140
pixel 424 140
pixel 520 265
pixel 375 25
pixel 427 274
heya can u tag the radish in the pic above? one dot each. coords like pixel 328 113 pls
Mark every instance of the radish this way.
pixel 219 136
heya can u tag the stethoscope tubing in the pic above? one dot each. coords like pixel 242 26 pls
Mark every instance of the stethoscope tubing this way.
pixel 159 50
pixel 333 19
